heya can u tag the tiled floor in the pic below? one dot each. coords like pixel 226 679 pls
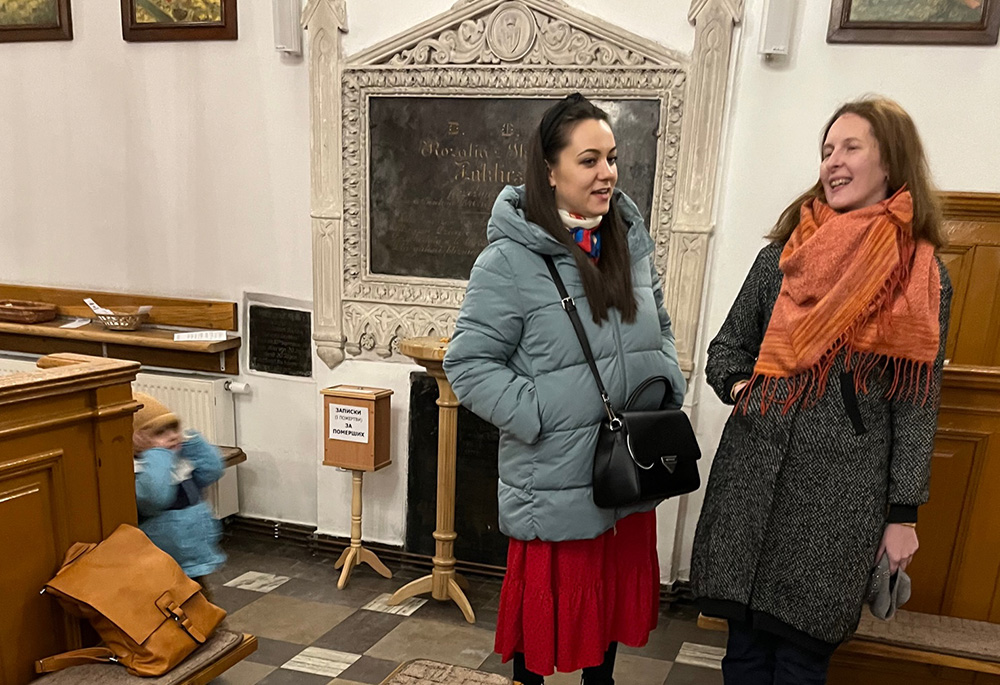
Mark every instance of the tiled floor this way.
pixel 311 633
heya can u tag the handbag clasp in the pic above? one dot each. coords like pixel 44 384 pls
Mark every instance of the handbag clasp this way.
pixel 614 423
pixel 669 462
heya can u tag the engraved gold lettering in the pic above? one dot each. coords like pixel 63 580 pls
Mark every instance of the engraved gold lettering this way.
pixel 516 150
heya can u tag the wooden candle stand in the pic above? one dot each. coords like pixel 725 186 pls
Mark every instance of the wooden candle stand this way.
pixel 443 583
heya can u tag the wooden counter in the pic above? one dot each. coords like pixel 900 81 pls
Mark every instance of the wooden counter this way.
pixel 66 475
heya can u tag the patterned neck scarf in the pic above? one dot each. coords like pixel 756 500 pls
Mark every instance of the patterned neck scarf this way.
pixel 857 282
pixel 586 232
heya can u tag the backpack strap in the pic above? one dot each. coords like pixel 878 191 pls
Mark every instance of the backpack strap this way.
pixel 77 657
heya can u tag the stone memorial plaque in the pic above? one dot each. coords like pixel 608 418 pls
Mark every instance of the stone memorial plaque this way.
pixel 280 341
pixel 438 163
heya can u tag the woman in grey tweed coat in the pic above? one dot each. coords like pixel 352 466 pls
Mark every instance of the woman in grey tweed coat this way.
pixel 825 460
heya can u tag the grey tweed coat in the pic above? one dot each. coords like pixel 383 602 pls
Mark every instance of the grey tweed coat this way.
pixel 796 504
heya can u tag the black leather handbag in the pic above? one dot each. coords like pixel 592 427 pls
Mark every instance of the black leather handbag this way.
pixel 642 454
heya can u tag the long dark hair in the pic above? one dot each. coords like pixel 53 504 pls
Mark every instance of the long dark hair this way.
pixel 609 283
pixel 902 154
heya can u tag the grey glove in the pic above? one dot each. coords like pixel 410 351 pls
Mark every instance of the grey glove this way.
pixel 886 592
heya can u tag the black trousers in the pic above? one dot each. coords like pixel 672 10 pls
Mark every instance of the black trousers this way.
pixel 754 657
pixel 593 675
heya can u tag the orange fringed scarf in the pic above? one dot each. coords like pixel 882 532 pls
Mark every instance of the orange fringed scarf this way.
pixel 857 282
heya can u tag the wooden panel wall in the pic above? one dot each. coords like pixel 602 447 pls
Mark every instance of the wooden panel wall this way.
pixel 973 261
pixel 957 569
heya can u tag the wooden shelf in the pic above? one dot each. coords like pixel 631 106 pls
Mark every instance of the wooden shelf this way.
pixel 231 456
pixel 151 345
pixel 147 336
pixel 165 310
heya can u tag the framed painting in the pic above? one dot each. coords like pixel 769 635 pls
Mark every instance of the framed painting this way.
pixel 160 20
pixel 926 22
pixel 24 20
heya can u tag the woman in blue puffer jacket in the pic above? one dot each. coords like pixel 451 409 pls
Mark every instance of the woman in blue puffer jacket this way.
pixel 579 578
pixel 171 469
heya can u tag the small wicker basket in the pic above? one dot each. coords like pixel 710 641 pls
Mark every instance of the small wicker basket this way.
pixel 123 320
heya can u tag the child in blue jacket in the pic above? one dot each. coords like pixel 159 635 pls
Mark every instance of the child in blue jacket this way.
pixel 171 469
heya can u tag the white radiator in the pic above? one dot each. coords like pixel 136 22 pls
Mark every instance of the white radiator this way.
pixel 202 404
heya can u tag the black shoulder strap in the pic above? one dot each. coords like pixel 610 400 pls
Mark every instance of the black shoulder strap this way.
pixel 570 307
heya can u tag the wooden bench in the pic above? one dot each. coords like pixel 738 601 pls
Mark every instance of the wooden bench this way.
pixel 218 655
pixel 912 649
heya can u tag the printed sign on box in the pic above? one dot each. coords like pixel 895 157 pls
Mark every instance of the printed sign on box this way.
pixel 348 423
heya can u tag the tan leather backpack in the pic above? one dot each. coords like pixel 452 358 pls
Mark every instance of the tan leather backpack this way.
pixel 148 613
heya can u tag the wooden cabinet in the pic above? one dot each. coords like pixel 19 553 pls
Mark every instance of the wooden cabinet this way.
pixel 66 475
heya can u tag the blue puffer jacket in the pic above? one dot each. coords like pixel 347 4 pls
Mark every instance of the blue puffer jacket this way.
pixel 190 535
pixel 515 361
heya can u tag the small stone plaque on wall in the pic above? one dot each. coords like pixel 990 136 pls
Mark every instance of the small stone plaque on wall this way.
pixel 280 341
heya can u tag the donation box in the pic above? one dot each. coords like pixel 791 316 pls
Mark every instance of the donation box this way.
pixel 356 426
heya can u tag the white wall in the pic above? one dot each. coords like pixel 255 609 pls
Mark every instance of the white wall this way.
pixel 168 168
pixel 172 169
pixel 183 169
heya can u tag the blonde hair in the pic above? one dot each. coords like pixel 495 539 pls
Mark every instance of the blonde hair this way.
pixel 902 154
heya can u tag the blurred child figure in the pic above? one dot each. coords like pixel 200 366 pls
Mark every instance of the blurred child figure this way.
pixel 171 469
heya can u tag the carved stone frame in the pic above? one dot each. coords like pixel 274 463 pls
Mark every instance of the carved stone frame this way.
pixel 521 48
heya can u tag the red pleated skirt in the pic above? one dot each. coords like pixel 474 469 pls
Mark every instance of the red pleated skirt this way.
pixel 563 603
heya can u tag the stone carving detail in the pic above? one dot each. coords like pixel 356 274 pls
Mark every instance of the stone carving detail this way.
pixel 699 158
pixel 510 32
pixel 560 43
pixel 509 35
pixel 682 287
pixel 375 330
pixel 464 45
pixel 326 20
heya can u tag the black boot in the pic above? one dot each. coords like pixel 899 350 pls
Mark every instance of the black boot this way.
pixel 522 675
pixel 601 675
